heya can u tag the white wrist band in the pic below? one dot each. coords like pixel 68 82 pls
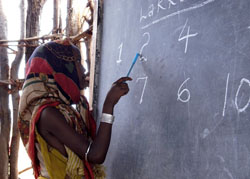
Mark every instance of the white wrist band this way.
pixel 107 118
pixel 86 154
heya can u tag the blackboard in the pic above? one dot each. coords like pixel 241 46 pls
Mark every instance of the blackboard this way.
pixel 187 115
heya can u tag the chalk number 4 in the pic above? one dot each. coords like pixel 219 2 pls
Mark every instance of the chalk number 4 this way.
pixel 187 36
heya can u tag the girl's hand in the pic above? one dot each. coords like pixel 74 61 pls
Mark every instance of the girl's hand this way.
pixel 118 89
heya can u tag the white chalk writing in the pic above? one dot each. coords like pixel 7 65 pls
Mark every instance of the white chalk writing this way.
pixel 225 99
pixel 242 82
pixel 143 58
pixel 120 53
pixel 196 6
pixel 180 92
pixel 159 6
pixel 153 9
pixel 170 2
pixel 186 37
pixel 144 86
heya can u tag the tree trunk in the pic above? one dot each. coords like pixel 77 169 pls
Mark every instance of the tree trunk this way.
pixel 56 17
pixel 69 18
pixel 73 24
pixel 4 102
pixel 88 41
pixel 32 24
pixel 15 102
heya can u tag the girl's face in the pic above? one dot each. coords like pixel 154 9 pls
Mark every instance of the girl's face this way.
pixel 83 79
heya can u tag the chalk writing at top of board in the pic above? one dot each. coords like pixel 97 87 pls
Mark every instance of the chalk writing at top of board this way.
pixel 152 10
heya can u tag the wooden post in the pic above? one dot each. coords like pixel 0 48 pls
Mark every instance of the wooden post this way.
pixel 15 101
pixel 95 55
pixel 4 101
pixel 56 17
pixel 69 18
pixel 32 23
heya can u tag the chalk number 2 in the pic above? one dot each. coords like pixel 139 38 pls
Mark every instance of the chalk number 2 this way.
pixel 147 34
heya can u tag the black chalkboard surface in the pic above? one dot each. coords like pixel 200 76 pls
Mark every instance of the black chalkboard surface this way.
pixel 187 115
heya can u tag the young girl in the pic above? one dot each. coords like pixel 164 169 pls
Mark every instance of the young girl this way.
pixel 62 141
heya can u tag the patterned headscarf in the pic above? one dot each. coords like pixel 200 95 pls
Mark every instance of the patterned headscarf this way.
pixel 52 80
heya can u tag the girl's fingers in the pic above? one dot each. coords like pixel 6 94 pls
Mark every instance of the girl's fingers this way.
pixel 123 79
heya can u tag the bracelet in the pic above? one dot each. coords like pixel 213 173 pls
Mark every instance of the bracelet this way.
pixel 107 118
pixel 86 154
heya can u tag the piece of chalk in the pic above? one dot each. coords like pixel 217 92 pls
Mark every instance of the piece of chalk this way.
pixel 133 63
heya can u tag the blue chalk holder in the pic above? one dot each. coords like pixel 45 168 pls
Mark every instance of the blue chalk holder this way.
pixel 133 63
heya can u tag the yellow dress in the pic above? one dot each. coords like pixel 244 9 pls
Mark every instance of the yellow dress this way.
pixel 56 165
